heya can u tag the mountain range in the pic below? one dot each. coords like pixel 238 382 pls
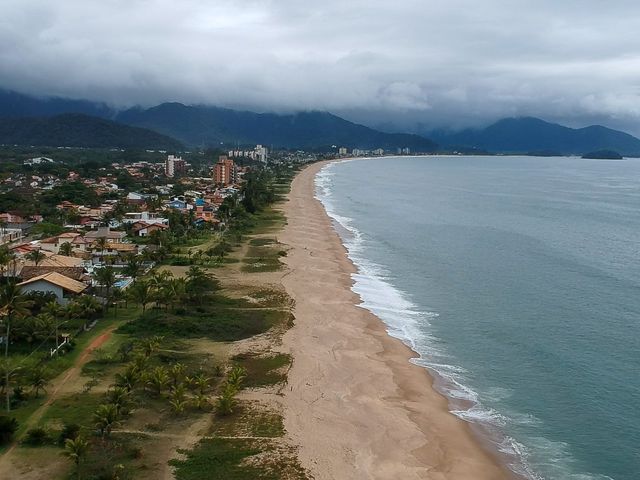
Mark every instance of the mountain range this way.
pixel 528 134
pixel 79 130
pixel 38 120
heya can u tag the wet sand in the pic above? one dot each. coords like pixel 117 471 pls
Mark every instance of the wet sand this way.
pixel 355 405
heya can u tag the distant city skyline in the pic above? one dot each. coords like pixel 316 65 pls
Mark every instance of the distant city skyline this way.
pixel 395 65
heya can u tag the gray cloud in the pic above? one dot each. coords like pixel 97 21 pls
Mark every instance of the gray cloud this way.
pixel 434 62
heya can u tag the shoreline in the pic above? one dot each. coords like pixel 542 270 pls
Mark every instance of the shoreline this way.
pixel 355 404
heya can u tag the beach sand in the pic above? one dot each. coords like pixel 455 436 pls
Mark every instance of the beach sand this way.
pixel 355 405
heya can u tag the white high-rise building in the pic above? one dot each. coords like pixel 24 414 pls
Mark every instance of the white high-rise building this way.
pixel 174 165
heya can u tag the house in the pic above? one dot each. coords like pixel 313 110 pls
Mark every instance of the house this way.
pixel 177 204
pixel 10 235
pixel 64 288
pixel 148 217
pixel 106 233
pixel 143 229
pixel 135 198
pixel 75 273
pixel 113 251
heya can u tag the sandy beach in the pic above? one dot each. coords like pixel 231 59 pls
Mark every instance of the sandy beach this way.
pixel 354 403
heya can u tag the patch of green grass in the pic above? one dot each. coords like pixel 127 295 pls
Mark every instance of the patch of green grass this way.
pixel 238 459
pixel 115 457
pixel 266 297
pixel 221 324
pixel 76 408
pixel 261 242
pixel 262 259
pixel 263 371
pixel 249 420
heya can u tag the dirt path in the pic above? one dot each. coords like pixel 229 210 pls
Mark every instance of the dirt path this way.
pixel 7 468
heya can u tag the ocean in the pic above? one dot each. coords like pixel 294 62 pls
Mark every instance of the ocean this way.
pixel 517 281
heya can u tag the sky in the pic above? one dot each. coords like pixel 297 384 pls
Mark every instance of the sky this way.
pixel 400 64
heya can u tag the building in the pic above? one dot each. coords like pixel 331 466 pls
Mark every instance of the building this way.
pixel 109 235
pixel 10 235
pixel 225 171
pixel 378 151
pixel 174 166
pixel 343 152
pixel 260 153
pixel 38 160
pixel 144 229
pixel 64 288
pixel 148 217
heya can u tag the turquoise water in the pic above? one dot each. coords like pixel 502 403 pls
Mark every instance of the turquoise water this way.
pixel 517 280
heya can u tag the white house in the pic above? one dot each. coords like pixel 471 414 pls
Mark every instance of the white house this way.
pixel 64 288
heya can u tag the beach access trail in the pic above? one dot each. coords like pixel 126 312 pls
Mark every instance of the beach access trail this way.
pixel 354 403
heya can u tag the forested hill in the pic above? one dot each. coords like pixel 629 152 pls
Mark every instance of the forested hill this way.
pixel 78 130
pixel 203 125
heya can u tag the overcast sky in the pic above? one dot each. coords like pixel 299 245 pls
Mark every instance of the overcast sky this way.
pixel 444 62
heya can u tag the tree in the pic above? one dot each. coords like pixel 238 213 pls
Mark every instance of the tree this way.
pixel 76 449
pixel 140 292
pixel 201 382
pixel 158 379
pixel 13 305
pixel 117 295
pixel 119 396
pixel 8 427
pixel 129 378
pixel 133 267
pixel 101 244
pixel 6 256
pixel 66 249
pixel 198 282
pixel 38 379
pixel 36 256
pixel 105 418
pixel 105 276
pixel 150 345
pixel 226 401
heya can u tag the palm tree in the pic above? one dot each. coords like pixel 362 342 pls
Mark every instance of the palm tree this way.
pixel 38 380
pixel 76 449
pixel 158 379
pixel 119 396
pixel 6 256
pixel 141 293
pixel 226 402
pixel 201 382
pixel 117 295
pixel 101 244
pixel 66 249
pixel 133 267
pixel 55 311
pixel 201 401
pixel 176 372
pixel 150 345
pixel 13 305
pixel 106 277
pixel 105 418
pixel 129 378
pixel 36 256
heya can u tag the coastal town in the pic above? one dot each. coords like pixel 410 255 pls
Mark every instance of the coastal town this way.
pixel 109 269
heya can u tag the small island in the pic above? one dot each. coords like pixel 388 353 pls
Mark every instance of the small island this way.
pixel 603 155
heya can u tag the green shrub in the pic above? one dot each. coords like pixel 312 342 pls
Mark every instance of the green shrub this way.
pixel 8 427
pixel 69 431
pixel 37 436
